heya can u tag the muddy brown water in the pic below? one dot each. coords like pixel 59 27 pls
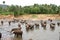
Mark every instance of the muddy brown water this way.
pixel 36 34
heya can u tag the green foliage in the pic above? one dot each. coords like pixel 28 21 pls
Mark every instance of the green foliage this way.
pixel 6 13
pixel 32 9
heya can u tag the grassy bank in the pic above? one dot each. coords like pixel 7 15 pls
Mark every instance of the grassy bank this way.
pixel 33 16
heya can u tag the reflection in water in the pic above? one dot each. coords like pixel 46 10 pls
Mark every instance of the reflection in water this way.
pixel 59 35
pixel 44 28
pixel 52 29
pixel 27 30
pixel 30 39
pixel 36 27
pixel 17 38
pixel 33 33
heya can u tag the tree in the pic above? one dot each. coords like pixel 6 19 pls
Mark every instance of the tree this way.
pixel 3 2
pixel 0 9
pixel 59 10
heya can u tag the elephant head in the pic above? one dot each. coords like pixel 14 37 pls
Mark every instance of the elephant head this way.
pixel 52 25
pixel 17 31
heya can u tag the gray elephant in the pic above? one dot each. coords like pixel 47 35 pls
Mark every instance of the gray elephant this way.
pixel 50 20
pixel 19 25
pixel 29 26
pixel 36 24
pixel 52 25
pixel 2 22
pixel 58 24
pixel 17 31
pixel 9 23
pixel 43 23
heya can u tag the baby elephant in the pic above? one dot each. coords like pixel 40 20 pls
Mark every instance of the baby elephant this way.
pixel 29 26
pixel 19 25
pixel 58 24
pixel 43 24
pixel 9 23
pixel 52 25
pixel 50 20
pixel 17 31
pixel 36 24
pixel 2 22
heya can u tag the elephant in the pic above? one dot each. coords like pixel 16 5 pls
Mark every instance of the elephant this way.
pixel 17 31
pixel 2 22
pixel 50 20
pixel 19 25
pixel 29 26
pixel 43 24
pixel 9 23
pixel 52 25
pixel 58 24
pixel 0 35
pixel 36 24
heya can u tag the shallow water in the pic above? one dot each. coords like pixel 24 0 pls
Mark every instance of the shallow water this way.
pixel 36 34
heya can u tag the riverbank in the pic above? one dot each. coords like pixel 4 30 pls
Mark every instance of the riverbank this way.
pixel 33 17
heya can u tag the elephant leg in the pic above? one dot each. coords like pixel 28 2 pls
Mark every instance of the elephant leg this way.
pixel 17 35
pixel 21 34
pixel 0 35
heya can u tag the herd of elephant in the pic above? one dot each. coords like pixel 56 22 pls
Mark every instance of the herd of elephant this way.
pixel 29 26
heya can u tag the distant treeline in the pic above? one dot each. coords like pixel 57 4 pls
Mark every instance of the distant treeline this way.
pixel 32 9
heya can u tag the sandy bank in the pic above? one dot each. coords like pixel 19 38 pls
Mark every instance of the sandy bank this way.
pixel 33 17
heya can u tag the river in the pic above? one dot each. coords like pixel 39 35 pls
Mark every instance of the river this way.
pixel 36 34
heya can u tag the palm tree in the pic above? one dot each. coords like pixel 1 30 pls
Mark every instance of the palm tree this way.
pixel 3 6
